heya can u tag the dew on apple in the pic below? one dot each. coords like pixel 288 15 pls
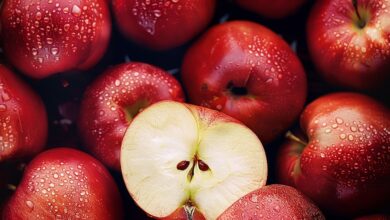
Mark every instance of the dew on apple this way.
pixel 30 205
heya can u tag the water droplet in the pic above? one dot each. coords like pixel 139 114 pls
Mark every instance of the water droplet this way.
pixel 30 204
pixel 157 13
pixel 343 136
pixel 34 51
pixel 254 198
pixel 38 15
pixel 350 137
pixel 117 82
pixel 54 51
pixel 76 10
pixel 339 120
pixel 3 108
pixel 49 40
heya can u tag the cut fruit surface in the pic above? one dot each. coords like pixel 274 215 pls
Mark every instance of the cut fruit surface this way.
pixel 176 155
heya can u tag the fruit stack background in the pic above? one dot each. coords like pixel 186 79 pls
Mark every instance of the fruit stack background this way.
pixel 62 93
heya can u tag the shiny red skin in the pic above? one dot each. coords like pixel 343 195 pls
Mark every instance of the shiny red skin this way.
pixel 161 24
pixel 333 43
pixel 275 9
pixel 65 183
pixel 273 202
pixel 42 38
pixel 246 54
pixel 23 119
pixel 345 167
pixel 103 122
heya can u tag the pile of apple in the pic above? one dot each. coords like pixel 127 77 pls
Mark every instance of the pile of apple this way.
pixel 194 109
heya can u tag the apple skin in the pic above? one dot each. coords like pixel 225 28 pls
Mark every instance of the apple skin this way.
pixel 23 118
pixel 344 168
pixel 246 55
pixel 276 9
pixel 65 183
pixel 42 38
pixel 346 54
pixel 162 25
pixel 273 202
pixel 104 115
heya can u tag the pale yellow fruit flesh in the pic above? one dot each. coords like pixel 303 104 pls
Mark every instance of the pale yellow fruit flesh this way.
pixel 167 133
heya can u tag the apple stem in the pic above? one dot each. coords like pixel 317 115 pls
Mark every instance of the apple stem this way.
pixel 292 137
pixel 11 187
pixel 361 22
pixel 190 210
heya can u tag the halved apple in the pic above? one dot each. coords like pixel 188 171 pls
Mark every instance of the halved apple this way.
pixel 178 156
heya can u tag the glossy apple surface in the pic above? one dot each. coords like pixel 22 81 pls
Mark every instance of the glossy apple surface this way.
pixel 42 38
pixel 67 184
pixel 23 119
pixel 162 25
pixel 273 202
pixel 248 72
pixel 272 9
pixel 179 157
pixel 114 99
pixel 344 166
pixel 349 41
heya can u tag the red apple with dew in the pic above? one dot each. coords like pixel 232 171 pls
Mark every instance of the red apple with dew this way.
pixel 349 41
pixel 23 119
pixel 248 72
pixel 114 99
pixel 179 157
pixel 344 166
pixel 67 184
pixel 42 38
pixel 275 9
pixel 162 25
pixel 273 202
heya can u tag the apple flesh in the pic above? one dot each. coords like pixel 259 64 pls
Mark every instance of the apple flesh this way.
pixel 349 41
pixel 114 99
pixel 67 184
pixel 344 166
pixel 42 38
pixel 23 119
pixel 162 25
pixel 273 202
pixel 179 156
pixel 275 9
pixel 248 72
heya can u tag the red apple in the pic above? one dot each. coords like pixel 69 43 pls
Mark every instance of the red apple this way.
pixel 272 9
pixel 162 25
pixel 23 120
pixel 179 157
pixel 113 100
pixel 65 184
pixel 345 165
pixel 273 202
pixel 42 38
pixel 246 71
pixel 349 41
